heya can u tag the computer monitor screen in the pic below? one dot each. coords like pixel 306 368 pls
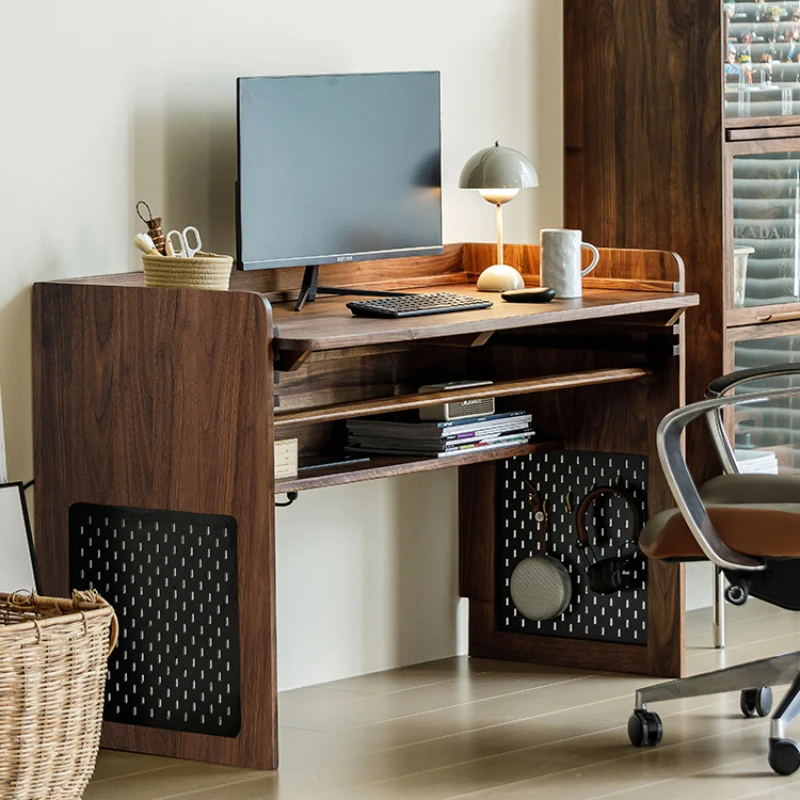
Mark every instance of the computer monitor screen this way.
pixel 337 168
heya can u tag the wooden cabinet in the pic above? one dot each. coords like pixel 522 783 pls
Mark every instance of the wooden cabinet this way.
pixel 682 132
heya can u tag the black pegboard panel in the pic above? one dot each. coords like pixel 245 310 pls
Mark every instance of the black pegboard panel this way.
pixel 619 617
pixel 172 579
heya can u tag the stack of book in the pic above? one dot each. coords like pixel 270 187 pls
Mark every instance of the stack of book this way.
pixel 438 439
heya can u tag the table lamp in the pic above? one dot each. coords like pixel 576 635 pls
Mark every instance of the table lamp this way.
pixel 498 173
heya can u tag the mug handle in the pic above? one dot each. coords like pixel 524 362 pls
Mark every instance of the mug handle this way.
pixel 595 260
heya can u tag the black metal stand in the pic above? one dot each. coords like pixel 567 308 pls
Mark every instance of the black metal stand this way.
pixel 310 289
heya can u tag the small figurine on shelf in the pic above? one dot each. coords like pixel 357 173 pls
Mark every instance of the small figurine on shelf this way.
pixel 771 36
pixel 730 67
pixel 774 13
pixel 766 68
pixel 794 30
pixel 794 50
pixel 730 9
pixel 744 58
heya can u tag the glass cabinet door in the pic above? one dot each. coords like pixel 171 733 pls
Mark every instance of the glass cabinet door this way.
pixel 766 228
pixel 761 59
pixel 767 435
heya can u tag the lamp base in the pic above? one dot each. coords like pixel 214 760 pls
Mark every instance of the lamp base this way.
pixel 500 278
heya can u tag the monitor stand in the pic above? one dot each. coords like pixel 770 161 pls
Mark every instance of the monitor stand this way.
pixel 310 289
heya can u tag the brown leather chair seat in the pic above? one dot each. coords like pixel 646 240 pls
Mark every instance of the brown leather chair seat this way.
pixel 738 506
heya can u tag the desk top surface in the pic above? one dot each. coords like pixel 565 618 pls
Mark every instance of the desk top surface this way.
pixel 328 324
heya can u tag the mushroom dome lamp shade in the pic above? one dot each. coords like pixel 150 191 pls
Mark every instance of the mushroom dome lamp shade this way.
pixel 498 173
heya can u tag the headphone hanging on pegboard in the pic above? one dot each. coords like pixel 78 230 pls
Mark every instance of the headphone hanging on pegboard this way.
pixel 558 477
pixel 616 573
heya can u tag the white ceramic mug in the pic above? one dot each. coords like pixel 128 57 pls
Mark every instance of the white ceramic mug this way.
pixel 561 262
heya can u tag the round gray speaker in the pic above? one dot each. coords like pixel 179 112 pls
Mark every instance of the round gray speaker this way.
pixel 541 588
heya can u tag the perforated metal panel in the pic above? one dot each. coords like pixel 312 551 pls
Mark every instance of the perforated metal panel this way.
pixel 172 579
pixel 619 617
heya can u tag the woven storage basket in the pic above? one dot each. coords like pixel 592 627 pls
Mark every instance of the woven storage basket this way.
pixel 53 664
pixel 204 271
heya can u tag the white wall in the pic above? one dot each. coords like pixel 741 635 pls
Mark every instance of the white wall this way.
pixel 105 103
pixel 699 585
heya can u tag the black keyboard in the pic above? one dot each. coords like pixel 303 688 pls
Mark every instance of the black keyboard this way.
pixel 416 305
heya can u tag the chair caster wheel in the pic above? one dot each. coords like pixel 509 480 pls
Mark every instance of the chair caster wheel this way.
pixel 784 756
pixel 645 728
pixel 756 702
pixel 736 594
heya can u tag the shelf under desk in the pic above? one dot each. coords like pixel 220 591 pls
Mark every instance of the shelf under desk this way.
pixel 545 383
pixel 384 466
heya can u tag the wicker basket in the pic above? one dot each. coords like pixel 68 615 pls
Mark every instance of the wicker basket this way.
pixel 53 664
pixel 204 271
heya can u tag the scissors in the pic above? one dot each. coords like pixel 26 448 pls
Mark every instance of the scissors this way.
pixel 181 244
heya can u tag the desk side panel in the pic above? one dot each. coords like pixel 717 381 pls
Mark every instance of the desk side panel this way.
pixel 162 399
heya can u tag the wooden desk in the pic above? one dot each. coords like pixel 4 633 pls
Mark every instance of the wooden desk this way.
pixel 167 402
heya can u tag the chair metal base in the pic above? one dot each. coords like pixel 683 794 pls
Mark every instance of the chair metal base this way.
pixel 784 753
pixel 719 608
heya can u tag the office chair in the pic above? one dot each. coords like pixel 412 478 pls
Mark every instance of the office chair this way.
pixel 749 527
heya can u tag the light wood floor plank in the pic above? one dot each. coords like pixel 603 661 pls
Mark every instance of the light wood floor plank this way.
pixel 115 764
pixel 638 770
pixel 185 776
pixel 734 781
pixel 370 709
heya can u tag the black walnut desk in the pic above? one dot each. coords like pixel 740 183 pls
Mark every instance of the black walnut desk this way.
pixel 155 416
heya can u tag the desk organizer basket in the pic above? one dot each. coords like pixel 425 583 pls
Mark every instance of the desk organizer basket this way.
pixel 53 665
pixel 204 271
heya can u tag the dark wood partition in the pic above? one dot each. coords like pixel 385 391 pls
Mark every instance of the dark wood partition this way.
pixel 155 399
pixel 643 159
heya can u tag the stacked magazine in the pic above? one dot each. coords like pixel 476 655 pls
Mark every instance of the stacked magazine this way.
pixel 763 462
pixel 437 439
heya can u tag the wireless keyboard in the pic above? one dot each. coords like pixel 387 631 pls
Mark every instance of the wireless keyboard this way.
pixel 416 305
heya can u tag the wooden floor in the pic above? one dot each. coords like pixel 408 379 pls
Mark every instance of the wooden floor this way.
pixel 489 730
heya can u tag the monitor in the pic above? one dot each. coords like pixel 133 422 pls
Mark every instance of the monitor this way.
pixel 338 168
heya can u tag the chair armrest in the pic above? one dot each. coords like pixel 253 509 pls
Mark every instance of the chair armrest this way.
pixel 726 383
pixel 684 490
